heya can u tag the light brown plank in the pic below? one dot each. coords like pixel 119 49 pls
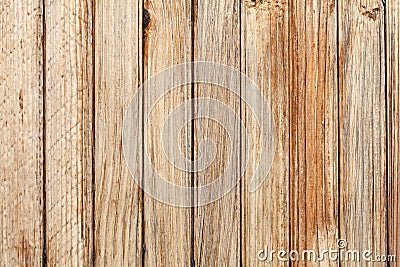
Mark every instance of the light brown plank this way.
pixel 313 128
pixel 217 225
pixel 118 200
pixel 393 83
pixel 362 116
pixel 21 141
pixel 69 137
pixel 265 59
pixel 167 229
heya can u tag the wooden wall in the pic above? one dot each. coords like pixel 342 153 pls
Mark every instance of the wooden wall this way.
pixel 330 72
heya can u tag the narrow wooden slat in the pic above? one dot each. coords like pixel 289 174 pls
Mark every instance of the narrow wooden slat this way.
pixel 393 83
pixel 167 229
pixel 21 141
pixel 217 225
pixel 118 200
pixel 265 59
pixel 313 128
pixel 69 137
pixel 362 124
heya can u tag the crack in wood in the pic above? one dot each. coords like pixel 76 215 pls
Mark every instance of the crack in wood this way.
pixel 146 19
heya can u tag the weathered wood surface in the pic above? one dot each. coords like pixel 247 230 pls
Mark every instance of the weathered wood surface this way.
pixel 68 128
pixel 216 38
pixel 313 127
pixel 265 59
pixel 362 127
pixel 393 89
pixel 328 69
pixel 167 229
pixel 21 141
pixel 118 200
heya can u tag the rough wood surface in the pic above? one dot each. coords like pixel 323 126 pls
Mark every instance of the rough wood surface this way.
pixel 313 128
pixel 217 225
pixel 265 59
pixel 393 83
pixel 167 42
pixel 21 141
pixel 69 132
pixel 68 70
pixel 362 122
pixel 118 200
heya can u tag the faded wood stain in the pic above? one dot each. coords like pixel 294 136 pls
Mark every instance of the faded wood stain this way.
pixel 328 69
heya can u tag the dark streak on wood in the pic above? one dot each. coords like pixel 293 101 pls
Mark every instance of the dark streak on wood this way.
pixel 21 99
pixel 26 251
pixel 146 19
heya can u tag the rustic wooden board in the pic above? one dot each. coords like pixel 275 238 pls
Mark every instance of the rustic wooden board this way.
pixel 265 59
pixel 118 200
pixel 362 118
pixel 68 131
pixel 167 42
pixel 328 69
pixel 21 141
pixel 393 87
pixel 313 127
pixel 217 225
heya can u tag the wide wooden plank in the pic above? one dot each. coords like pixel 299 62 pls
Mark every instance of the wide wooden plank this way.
pixel 118 200
pixel 265 59
pixel 362 121
pixel 167 42
pixel 68 129
pixel 393 83
pixel 313 128
pixel 21 141
pixel 217 225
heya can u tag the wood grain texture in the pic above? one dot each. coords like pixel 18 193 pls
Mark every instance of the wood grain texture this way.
pixel 363 173
pixel 118 200
pixel 265 59
pixel 167 229
pixel 328 69
pixel 393 83
pixel 313 128
pixel 217 225
pixel 68 128
pixel 21 141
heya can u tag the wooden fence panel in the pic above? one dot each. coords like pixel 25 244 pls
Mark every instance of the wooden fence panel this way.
pixel 313 128
pixel 118 200
pixel 393 87
pixel 329 71
pixel 362 122
pixel 217 225
pixel 167 229
pixel 265 59
pixel 69 131
pixel 21 141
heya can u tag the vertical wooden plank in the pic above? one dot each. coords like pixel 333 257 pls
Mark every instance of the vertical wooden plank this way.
pixel 167 229
pixel 363 148
pixel 118 200
pixel 21 141
pixel 265 59
pixel 313 128
pixel 69 137
pixel 393 83
pixel 217 225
